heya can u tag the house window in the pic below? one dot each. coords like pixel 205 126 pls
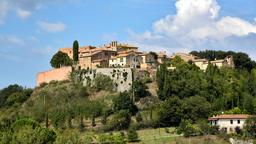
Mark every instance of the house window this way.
pixel 238 121
pixel 121 59
pixel 231 121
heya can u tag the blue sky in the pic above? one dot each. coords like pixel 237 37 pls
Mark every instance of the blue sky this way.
pixel 31 31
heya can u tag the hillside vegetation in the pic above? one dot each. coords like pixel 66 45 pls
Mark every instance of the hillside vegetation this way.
pixel 68 112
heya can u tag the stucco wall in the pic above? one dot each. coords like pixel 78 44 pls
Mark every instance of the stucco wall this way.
pixel 122 83
pixel 230 127
pixel 225 123
pixel 54 74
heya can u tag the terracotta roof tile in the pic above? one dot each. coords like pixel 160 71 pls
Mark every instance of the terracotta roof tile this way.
pixel 230 116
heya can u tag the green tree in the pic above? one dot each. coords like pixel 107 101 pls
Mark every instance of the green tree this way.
pixel 75 50
pixel 248 104
pixel 160 79
pixel 60 59
pixel 120 121
pixel 250 127
pixel 140 90
pixel 7 92
pixel 195 108
pixel 169 113
pixel 124 102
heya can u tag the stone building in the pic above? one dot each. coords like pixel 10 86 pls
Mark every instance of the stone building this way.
pixel 95 58
pixel 226 62
pixel 148 61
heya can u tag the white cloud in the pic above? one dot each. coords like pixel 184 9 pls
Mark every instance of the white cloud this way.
pixel 52 27
pixel 12 40
pixel 199 19
pixel 196 25
pixel 23 14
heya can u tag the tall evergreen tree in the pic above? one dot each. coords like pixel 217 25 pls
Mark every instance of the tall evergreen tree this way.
pixel 75 50
pixel 160 79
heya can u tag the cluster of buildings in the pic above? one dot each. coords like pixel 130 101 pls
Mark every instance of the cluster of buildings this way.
pixel 125 55
pixel 203 63
pixel 115 55
pixel 120 55
pixel 107 57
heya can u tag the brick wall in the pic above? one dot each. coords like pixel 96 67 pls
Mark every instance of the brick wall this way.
pixel 54 74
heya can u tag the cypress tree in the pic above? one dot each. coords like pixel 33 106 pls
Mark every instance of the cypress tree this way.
pixel 75 50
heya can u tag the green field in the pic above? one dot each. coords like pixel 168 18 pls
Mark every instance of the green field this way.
pixel 160 136
pixel 168 136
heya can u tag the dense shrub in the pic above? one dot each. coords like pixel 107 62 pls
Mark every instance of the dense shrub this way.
pixel 132 135
pixel 140 90
pixel 120 121
pixel 188 129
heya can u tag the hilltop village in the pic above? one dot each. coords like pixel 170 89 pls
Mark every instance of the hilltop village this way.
pixel 104 59
pixel 118 94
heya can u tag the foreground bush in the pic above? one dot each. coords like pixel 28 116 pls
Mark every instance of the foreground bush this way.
pixel 132 135
pixel 111 139
pixel 120 121
pixel 26 131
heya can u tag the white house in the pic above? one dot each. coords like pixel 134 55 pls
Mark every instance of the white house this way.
pixel 129 59
pixel 229 122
